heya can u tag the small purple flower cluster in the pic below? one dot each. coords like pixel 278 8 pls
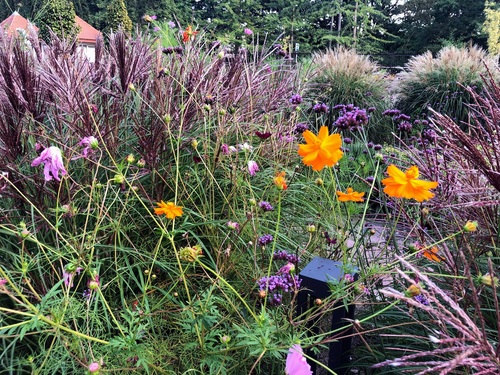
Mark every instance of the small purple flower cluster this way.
pixel 284 255
pixel 391 112
pixel 266 239
pixel 296 99
pixel 170 50
pixel 320 108
pixel 429 135
pixel 421 299
pixel 266 206
pixel 351 117
pixel 284 281
pixel 301 128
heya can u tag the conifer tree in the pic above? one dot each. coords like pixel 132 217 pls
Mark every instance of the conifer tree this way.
pixel 117 16
pixel 492 27
pixel 58 16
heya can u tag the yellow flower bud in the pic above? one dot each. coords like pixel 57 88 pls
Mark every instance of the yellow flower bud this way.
pixel 130 158
pixel 470 226
pixel 319 182
pixel 119 179
pixel 412 291
pixel 194 143
pixel 489 280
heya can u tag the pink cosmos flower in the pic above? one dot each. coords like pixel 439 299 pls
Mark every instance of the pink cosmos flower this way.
pixel 89 144
pixel 252 167
pixel 53 164
pixel 248 32
pixel 69 272
pixel 296 363
pixel 94 367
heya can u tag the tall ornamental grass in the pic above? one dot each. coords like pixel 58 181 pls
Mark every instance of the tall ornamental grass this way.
pixel 441 83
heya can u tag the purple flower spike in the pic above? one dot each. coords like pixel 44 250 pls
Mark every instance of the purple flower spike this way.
pixel 53 164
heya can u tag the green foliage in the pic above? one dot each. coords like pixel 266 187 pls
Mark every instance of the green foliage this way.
pixel 117 17
pixel 492 27
pixel 58 16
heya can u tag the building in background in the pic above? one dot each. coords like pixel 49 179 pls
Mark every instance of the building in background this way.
pixel 87 37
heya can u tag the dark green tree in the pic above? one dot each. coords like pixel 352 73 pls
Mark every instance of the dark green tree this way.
pixel 117 17
pixel 431 24
pixel 57 16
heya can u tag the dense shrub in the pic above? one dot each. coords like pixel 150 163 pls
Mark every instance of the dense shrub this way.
pixel 342 76
pixel 441 82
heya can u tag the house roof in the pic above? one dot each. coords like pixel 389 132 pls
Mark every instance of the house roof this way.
pixel 87 34
pixel 15 21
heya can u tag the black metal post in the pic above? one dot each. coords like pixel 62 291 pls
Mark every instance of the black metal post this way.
pixel 315 278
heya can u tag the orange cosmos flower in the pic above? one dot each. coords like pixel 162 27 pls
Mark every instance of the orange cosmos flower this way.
pixel 280 181
pixel 188 34
pixel 407 185
pixel 432 254
pixel 322 150
pixel 350 196
pixel 169 209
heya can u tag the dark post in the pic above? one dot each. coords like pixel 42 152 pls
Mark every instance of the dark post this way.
pixel 315 278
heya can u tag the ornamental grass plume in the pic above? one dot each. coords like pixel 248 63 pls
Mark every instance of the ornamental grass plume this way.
pixel 406 184
pixel 350 196
pixel 322 150
pixel 169 209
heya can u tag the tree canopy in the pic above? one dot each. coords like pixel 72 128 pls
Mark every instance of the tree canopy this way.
pixel 371 26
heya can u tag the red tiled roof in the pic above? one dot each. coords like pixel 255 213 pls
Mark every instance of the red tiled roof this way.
pixel 87 34
pixel 15 21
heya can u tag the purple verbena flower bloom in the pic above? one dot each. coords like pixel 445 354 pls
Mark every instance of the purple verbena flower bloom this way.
pixel 53 163
pixel 391 112
pixel 301 128
pixel 352 118
pixel 266 206
pixel 253 167
pixel 320 108
pixel 421 299
pixel 171 24
pixel 296 99
pixel 266 239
